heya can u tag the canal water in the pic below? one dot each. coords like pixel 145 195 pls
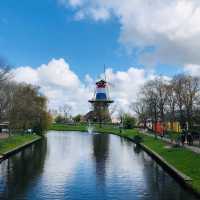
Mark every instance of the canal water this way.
pixel 76 166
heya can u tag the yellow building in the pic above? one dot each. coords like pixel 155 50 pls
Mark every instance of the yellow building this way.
pixel 174 126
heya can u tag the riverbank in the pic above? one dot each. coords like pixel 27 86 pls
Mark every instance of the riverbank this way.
pixel 14 143
pixel 183 160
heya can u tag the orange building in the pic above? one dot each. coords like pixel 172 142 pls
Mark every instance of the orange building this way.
pixel 158 128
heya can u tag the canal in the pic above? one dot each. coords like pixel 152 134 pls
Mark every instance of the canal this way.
pixel 74 165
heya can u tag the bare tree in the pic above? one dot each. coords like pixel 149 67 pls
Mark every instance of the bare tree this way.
pixel 120 113
pixel 177 83
pixel 161 92
pixel 66 110
pixel 175 99
pixel 190 97
pixel 5 88
pixel 151 100
pixel 171 103
pixel 4 71
pixel 140 108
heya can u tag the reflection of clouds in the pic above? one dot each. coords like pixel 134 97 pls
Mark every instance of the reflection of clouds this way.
pixel 85 166
pixel 124 167
pixel 63 160
pixel 3 178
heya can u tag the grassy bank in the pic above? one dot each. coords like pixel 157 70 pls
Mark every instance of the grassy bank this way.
pixel 182 159
pixel 14 141
pixel 61 127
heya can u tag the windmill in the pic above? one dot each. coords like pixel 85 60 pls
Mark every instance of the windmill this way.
pixel 101 101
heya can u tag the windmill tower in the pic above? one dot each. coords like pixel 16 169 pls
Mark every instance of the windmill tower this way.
pixel 100 102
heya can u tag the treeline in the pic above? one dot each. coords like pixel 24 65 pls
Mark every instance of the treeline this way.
pixel 22 105
pixel 171 100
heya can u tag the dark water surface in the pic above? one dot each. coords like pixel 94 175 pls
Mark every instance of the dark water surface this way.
pixel 77 166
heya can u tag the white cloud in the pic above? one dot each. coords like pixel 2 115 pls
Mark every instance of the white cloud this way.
pixel 173 27
pixel 58 83
pixel 26 74
pixel 73 3
pixel 193 70
pixel 125 85
pixel 61 85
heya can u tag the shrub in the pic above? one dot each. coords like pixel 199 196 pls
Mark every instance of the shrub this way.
pixel 129 121
pixel 138 139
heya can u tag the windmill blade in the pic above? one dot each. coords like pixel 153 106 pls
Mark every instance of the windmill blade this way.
pixel 111 84
pixel 106 78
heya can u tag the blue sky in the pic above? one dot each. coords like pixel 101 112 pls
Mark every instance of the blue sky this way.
pixel 34 32
pixel 56 43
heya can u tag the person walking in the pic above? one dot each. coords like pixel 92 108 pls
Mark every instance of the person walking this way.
pixel 183 138
pixel 189 139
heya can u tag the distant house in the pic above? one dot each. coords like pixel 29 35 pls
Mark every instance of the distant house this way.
pixel 88 117
pixel 4 127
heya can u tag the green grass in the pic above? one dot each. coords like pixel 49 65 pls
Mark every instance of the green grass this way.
pixel 182 159
pixel 61 127
pixel 14 141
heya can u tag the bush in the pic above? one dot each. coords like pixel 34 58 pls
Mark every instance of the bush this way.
pixel 77 118
pixel 59 119
pixel 129 121
pixel 138 139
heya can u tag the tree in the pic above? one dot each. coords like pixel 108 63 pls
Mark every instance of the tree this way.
pixel 139 107
pixel 171 102
pixel 5 90
pixel 177 82
pixel 28 110
pixel 128 121
pixel 186 90
pixel 66 110
pixel 77 118
pixel 150 97
pixel 120 113
pixel 175 99
pixel 161 92
pixel 190 97
pixel 60 119
pixel 4 71
pixel 4 100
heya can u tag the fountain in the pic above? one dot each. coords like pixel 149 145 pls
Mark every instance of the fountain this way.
pixel 90 128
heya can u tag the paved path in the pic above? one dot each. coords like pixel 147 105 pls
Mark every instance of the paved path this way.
pixel 3 135
pixel 192 148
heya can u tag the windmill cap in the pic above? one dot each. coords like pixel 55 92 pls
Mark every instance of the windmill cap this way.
pixel 101 82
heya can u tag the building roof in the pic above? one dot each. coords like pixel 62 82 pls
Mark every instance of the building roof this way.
pixel 101 81
pixel 101 100
pixel 4 123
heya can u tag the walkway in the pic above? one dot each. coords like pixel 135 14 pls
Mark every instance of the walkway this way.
pixel 192 148
pixel 3 135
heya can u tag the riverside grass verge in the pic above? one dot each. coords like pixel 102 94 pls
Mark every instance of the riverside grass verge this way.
pixel 184 160
pixel 15 141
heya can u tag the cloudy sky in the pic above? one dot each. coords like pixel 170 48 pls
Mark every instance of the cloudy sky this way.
pixel 62 45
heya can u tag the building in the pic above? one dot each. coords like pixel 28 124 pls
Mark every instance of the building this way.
pixel 100 103
pixel 4 127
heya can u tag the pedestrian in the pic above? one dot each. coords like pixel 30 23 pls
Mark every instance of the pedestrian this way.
pixel 182 138
pixel 189 139
pixel 120 127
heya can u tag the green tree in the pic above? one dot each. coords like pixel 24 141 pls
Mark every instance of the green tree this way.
pixel 129 121
pixel 28 110
pixel 60 119
pixel 77 118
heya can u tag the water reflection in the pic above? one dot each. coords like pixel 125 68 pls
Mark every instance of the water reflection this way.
pixel 20 171
pixel 100 153
pixel 85 166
